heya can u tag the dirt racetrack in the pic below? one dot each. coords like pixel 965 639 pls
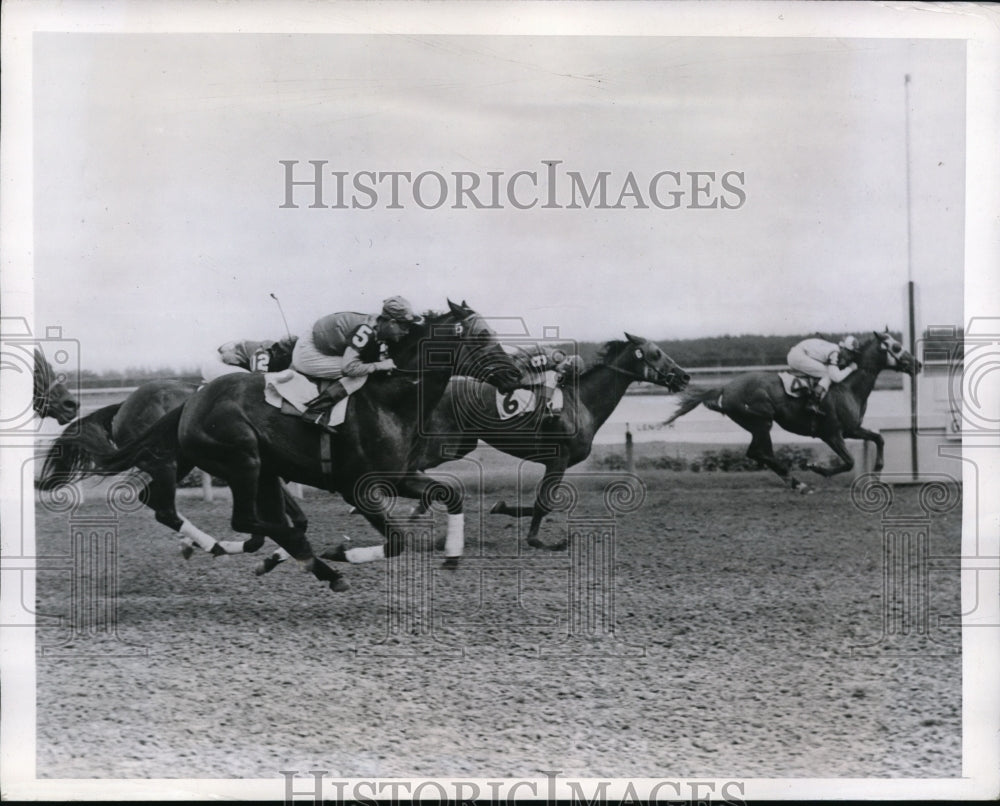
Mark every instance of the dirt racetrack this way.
pixel 740 633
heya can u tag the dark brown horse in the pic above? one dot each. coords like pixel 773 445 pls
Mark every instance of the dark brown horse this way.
pixel 50 397
pixel 77 454
pixel 468 412
pixel 227 429
pixel 757 400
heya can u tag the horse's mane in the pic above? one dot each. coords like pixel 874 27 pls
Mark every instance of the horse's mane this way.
pixel 608 353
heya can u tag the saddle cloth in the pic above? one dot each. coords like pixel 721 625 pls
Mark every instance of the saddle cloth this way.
pixel 797 385
pixel 290 391
pixel 524 401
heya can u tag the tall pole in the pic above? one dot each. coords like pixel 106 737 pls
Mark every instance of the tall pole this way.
pixel 914 461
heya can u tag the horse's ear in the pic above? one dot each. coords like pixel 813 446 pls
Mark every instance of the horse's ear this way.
pixel 465 304
pixel 634 339
pixel 455 309
pixel 879 336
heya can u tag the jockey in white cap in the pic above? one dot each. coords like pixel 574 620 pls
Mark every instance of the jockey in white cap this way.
pixel 822 359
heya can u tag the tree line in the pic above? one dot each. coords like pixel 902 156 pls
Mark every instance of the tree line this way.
pixel 746 350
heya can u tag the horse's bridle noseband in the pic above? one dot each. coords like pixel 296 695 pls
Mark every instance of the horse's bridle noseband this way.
pixel 667 377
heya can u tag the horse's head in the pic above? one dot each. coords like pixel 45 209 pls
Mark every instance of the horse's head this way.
pixel 460 341
pixel 890 354
pixel 645 361
pixel 50 396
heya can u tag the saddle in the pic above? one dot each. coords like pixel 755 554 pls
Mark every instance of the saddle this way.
pixel 798 384
pixel 290 391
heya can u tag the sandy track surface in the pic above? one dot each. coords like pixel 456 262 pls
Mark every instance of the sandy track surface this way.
pixel 740 631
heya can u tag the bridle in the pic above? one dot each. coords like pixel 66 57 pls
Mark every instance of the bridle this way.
pixel 650 370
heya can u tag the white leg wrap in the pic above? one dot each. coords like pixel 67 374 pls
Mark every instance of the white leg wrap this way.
pixel 188 529
pixel 232 546
pixel 365 554
pixel 454 542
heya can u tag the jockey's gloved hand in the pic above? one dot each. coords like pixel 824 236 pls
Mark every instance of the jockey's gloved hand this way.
pixel 385 365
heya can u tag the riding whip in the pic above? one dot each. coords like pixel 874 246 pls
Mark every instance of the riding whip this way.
pixel 281 311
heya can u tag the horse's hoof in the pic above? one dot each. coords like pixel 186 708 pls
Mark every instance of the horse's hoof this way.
pixel 498 508
pixel 267 565
pixel 535 543
pixel 187 551
pixel 450 563
pixel 217 550
pixel 339 585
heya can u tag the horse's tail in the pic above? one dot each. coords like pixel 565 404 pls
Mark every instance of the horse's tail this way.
pixel 695 396
pixel 76 452
pixel 157 443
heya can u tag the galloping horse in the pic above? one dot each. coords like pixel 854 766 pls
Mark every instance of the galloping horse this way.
pixel 757 400
pixel 79 453
pixel 468 413
pixel 227 429
pixel 50 397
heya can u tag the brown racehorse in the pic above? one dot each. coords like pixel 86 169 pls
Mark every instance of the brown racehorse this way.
pixel 468 413
pixel 76 454
pixel 227 429
pixel 757 400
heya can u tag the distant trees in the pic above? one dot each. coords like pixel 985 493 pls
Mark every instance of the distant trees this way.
pixel 747 350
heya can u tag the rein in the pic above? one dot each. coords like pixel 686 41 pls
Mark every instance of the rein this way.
pixel 658 373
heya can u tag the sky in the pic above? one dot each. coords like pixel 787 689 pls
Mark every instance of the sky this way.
pixel 159 230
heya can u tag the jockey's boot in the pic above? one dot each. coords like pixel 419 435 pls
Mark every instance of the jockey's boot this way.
pixel 319 408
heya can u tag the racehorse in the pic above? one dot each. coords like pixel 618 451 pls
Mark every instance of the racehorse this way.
pixel 227 429
pixel 469 412
pixel 50 397
pixel 78 453
pixel 757 400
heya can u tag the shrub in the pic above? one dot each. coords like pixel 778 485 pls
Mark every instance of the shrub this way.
pixel 723 460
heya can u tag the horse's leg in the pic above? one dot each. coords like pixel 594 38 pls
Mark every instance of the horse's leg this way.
pixel 422 487
pixel 298 518
pixel 160 495
pixel 857 432
pixel 762 450
pixel 547 492
pixel 246 481
pixel 836 442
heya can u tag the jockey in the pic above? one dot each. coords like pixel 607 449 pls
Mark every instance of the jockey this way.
pixel 347 347
pixel 536 360
pixel 249 356
pixel 822 359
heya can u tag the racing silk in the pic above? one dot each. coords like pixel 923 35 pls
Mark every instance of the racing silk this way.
pixel 820 359
pixel 534 360
pixel 250 355
pixel 821 350
pixel 351 335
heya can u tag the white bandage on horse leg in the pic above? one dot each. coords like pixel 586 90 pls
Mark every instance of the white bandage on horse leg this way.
pixel 454 542
pixel 231 546
pixel 365 554
pixel 188 529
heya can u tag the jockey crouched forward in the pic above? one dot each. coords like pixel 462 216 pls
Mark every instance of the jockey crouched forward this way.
pixel 249 356
pixel 347 347
pixel 831 363
pixel 536 361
